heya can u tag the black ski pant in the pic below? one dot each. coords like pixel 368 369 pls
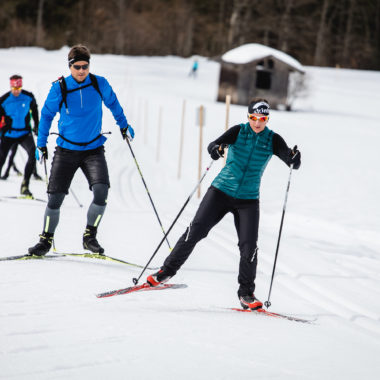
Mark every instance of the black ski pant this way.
pixel 66 162
pixel 12 154
pixel 214 206
pixel 27 142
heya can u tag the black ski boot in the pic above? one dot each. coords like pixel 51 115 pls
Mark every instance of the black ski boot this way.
pixel 43 246
pixel 90 242
pixel 25 189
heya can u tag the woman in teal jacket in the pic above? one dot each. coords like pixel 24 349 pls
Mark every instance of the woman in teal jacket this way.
pixel 236 190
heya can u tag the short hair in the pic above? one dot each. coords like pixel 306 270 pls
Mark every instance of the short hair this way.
pixel 15 76
pixel 79 52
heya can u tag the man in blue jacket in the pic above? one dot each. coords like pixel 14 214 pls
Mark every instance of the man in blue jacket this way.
pixel 15 108
pixel 78 98
pixel 236 190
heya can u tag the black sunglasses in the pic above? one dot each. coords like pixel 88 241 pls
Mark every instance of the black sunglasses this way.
pixel 83 67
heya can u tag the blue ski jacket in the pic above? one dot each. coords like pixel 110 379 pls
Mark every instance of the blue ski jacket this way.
pixel 81 121
pixel 18 108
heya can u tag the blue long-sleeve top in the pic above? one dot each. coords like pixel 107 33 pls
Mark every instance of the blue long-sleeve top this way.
pixel 18 108
pixel 81 120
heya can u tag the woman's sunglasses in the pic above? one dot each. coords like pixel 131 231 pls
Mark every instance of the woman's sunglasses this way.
pixel 260 118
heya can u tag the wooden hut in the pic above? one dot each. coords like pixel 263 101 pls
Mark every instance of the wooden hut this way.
pixel 255 70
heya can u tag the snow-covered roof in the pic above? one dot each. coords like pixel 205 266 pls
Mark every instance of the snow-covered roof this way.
pixel 252 52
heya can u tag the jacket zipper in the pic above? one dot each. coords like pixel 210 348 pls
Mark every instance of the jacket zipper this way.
pixel 81 99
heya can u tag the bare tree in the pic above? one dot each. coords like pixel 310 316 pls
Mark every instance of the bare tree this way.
pixel 348 31
pixel 39 26
pixel 318 53
pixel 285 26
pixel 239 8
pixel 120 38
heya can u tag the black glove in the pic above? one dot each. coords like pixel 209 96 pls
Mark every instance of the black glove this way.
pixel 295 158
pixel 217 151
pixel 128 132
pixel 41 153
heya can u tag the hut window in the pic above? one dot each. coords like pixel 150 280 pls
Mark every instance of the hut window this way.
pixel 263 80
pixel 270 64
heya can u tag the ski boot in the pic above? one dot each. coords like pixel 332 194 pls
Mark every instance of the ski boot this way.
pixel 250 302
pixel 25 189
pixel 158 278
pixel 43 246
pixel 90 242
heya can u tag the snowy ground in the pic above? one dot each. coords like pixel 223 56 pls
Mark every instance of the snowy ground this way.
pixel 53 327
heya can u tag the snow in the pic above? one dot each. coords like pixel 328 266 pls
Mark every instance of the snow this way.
pixel 252 52
pixel 53 327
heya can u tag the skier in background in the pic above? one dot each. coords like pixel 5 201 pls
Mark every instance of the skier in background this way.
pixel 78 98
pixel 236 190
pixel 194 69
pixel 16 106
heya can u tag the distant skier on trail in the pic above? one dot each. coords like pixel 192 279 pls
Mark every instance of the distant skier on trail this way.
pixel 235 189
pixel 194 69
pixel 78 98
pixel 15 108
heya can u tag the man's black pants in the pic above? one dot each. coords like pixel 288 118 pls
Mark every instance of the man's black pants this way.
pixel 27 142
pixel 214 206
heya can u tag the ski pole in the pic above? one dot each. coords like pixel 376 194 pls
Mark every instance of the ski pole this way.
pixel 136 280
pixel 268 303
pixel 75 197
pixel 147 191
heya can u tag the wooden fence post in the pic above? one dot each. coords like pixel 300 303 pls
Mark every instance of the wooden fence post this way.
pixel 159 134
pixel 182 133
pixel 201 121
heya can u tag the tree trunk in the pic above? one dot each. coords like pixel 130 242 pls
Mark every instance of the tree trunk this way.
pixel 120 40
pixel 239 7
pixel 39 26
pixel 285 23
pixel 318 53
pixel 347 35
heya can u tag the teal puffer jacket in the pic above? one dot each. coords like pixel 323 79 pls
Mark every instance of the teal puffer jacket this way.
pixel 246 161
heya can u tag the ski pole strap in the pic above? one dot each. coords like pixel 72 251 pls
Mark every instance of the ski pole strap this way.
pixel 80 143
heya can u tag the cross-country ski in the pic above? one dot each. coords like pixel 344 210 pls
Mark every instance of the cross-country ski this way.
pixel 139 288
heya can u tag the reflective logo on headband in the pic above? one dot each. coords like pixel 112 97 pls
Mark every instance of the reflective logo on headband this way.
pixel 259 107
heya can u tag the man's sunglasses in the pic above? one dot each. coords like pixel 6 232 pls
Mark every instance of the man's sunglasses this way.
pixel 16 88
pixel 83 67
pixel 260 118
